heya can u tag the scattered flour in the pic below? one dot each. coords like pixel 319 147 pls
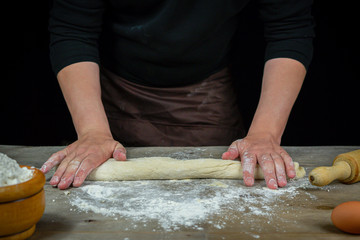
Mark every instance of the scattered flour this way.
pixel 11 173
pixel 176 204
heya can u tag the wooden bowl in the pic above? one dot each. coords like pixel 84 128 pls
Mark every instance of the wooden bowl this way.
pixel 21 207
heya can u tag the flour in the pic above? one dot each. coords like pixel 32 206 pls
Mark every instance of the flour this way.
pixel 191 204
pixel 11 173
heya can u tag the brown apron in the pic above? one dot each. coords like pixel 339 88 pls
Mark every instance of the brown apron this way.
pixel 201 114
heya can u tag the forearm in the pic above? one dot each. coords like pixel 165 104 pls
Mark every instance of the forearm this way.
pixel 282 81
pixel 80 85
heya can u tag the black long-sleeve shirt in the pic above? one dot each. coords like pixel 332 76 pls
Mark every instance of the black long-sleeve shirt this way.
pixel 170 42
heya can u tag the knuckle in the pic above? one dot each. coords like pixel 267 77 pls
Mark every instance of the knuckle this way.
pixel 66 151
pixel 264 158
pixel 269 171
pixel 284 154
pixel 62 166
pixel 240 144
pixel 278 161
pixel 288 158
pixel 291 164
pixel 279 165
pixel 123 149
pixel 248 158
pixel 280 171
pixel 74 164
pixel 54 155
pixel 232 148
pixel 84 171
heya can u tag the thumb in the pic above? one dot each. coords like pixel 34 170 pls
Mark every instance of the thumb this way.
pixel 233 152
pixel 119 152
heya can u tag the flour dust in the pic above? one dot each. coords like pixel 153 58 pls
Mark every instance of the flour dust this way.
pixel 191 204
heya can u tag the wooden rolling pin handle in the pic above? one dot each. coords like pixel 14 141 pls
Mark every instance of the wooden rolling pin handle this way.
pixel 322 176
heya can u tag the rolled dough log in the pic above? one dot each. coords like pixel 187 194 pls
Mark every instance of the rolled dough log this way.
pixel 152 168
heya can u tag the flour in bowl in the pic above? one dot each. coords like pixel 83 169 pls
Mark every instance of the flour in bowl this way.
pixel 11 173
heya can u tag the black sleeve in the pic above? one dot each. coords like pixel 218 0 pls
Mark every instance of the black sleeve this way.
pixel 288 29
pixel 74 27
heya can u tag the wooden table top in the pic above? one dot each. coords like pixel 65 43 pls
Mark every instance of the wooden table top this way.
pixel 298 211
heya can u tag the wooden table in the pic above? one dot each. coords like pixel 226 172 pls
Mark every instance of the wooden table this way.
pixel 305 216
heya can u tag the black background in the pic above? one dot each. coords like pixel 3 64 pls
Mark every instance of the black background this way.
pixel 33 112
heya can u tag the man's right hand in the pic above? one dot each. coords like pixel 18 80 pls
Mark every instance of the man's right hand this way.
pixel 81 157
pixel 80 84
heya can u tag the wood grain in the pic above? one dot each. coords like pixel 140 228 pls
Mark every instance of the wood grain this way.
pixel 301 217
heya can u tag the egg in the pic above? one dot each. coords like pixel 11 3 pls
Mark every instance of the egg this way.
pixel 346 217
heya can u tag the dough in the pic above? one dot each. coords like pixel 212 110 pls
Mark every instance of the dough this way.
pixel 152 168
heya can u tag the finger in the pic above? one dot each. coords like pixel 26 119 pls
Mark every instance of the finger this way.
pixel 69 174
pixel 267 165
pixel 233 151
pixel 289 164
pixel 248 162
pixel 279 169
pixel 86 167
pixel 54 181
pixel 231 154
pixel 54 160
pixel 119 152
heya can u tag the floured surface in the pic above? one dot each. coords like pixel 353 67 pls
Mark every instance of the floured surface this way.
pixel 151 168
pixel 306 215
pixel 190 204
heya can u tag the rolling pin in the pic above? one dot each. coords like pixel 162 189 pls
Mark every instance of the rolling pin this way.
pixel 345 168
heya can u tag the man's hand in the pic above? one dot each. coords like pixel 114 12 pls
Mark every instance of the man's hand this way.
pixel 264 150
pixel 282 82
pixel 80 84
pixel 78 159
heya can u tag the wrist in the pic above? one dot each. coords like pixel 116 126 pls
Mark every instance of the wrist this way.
pixel 266 135
pixel 267 129
pixel 97 124
pixel 98 132
pixel 268 122
pixel 92 123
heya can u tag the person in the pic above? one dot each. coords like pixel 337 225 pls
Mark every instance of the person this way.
pixel 156 73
